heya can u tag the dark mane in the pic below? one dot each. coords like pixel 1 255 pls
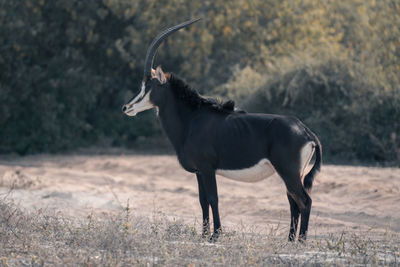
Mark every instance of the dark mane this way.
pixel 193 99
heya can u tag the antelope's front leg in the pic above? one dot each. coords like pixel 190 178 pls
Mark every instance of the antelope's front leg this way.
pixel 205 206
pixel 209 183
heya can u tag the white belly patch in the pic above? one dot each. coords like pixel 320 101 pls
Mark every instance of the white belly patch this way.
pixel 262 170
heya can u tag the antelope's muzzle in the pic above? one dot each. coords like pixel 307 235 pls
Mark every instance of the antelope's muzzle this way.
pixel 140 103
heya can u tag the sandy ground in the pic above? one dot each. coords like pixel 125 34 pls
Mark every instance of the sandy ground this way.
pixel 344 197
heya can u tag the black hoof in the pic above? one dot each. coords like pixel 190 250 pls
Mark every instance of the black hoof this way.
pixel 292 238
pixel 302 239
pixel 205 234
pixel 214 237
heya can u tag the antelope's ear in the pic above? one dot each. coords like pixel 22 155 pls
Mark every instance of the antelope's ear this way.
pixel 153 73
pixel 160 76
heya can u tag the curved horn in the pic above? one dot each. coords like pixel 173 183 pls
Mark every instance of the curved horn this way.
pixel 158 40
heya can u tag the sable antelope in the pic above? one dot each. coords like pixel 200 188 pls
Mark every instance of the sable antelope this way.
pixel 211 138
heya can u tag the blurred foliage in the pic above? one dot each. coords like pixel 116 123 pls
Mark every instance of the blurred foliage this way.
pixel 66 67
pixel 354 118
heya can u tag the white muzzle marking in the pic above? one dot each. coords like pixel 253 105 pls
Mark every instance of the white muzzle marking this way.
pixel 140 103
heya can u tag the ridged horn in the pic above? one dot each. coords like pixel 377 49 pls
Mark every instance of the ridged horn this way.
pixel 151 52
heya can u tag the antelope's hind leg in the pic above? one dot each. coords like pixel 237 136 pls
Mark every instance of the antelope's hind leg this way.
pixel 300 201
pixel 303 202
pixel 305 216
pixel 294 218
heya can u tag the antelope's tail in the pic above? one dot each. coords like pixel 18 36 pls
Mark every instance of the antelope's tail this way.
pixel 309 179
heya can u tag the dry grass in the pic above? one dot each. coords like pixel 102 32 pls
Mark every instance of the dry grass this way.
pixel 44 238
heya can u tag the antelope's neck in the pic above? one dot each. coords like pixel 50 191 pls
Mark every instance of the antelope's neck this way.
pixel 174 119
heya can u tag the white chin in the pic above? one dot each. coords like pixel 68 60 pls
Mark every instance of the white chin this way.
pixel 131 113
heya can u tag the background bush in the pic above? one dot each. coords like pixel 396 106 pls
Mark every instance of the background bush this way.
pixel 355 118
pixel 66 68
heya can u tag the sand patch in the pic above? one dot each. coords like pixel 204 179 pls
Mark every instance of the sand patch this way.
pixel 343 196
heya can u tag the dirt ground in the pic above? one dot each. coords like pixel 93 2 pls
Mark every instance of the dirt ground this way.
pixel 344 197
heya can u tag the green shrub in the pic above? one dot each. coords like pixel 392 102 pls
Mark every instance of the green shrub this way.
pixel 351 112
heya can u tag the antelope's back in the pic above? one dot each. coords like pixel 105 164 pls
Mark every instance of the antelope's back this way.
pixel 243 139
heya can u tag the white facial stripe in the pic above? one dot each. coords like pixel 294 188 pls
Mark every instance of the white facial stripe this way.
pixel 262 170
pixel 139 96
pixel 143 105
